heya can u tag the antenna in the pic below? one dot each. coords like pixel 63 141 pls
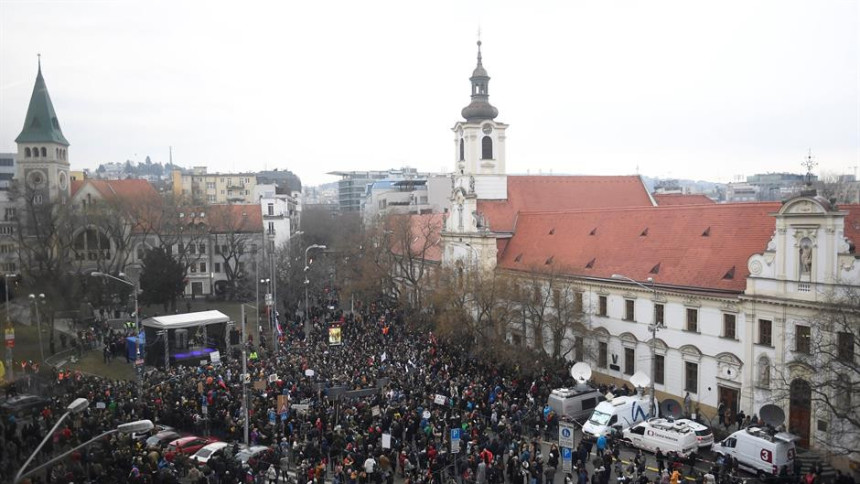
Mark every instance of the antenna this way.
pixel 772 415
pixel 640 379
pixel 670 408
pixel 581 372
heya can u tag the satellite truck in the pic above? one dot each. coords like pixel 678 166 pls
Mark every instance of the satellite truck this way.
pixel 575 403
pixel 615 414
pixel 761 450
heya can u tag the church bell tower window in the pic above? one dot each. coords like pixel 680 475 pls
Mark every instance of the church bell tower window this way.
pixel 487 148
pixel 462 150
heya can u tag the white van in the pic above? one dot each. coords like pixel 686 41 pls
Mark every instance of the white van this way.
pixel 664 434
pixel 619 414
pixel 759 450
pixel 576 403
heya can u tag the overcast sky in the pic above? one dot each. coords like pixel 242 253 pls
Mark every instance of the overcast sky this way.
pixel 687 89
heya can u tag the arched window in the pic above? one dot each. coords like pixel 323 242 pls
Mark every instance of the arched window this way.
pixel 92 244
pixel 487 148
pixel 56 152
pixel 764 372
pixel 26 152
pixel 44 152
pixel 462 150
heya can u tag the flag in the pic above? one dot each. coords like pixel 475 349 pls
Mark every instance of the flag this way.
pixel 383 357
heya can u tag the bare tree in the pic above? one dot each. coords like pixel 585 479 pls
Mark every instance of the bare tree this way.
pixel 413 243
pixel 234 233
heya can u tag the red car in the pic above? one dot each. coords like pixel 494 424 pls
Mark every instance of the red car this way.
pixel 187 445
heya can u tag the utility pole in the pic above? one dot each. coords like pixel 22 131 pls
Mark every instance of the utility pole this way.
pixel 244 376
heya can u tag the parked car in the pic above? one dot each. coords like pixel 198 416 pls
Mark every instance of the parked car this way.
pixel 203 455
pixel 256 455
pixel 704 435
pixel 161 439
pixel 187 445
pixel 155 430
pixel 21 404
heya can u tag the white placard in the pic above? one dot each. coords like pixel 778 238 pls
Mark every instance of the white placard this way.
pixel 386 441
pixel 426 414
pixel 100 405
pixel 309 372
pixel 215 356
pixel 375 411
pixel 440 399
pixel 273 378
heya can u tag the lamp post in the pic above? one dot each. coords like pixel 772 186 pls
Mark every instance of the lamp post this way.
pixel 653 327
pixel 244 374
pixel 268 285
pixel 77 406
pixel 9 365
pixel 36 303
pixel 126 428
pixel 307 281
pixel 133 286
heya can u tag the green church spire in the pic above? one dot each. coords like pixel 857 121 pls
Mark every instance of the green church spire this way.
pixel 41 124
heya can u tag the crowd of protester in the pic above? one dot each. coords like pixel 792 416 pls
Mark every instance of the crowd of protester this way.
pixel 424 388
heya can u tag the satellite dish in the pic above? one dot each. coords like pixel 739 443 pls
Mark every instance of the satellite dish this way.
pixel 640 380
pixel 772 415
pixel 670 408
pixel 580 372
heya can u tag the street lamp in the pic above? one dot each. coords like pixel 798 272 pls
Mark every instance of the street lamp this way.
pixel 126 428
pixel 133 286
pixel 36 303
pixel 269 295
pixel 245 377
pixel 8 325
pixel 77 406
pixel 653 327
pixel 307 281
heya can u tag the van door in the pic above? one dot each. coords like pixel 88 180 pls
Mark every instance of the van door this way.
pixel 637 437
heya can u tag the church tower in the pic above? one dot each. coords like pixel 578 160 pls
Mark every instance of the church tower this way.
pixel 479 174
pixel 479 141
pixel 43 163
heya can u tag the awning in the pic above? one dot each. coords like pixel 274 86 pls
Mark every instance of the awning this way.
pixel 187 320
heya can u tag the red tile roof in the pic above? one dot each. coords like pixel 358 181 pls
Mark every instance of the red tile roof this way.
pixel 562 193
pixel 852 222
pixel 131 190
pixel 419 229
pixel 667 199
pixel 229 218
pixel 685 245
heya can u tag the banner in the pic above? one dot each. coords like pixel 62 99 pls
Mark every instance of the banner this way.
pixel 334 336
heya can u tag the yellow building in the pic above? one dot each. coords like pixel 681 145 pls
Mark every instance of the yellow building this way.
pixel 206 188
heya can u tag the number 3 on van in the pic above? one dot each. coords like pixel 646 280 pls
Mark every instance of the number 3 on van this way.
pixel 766 455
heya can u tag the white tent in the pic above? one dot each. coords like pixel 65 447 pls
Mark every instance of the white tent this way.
pixel 187 320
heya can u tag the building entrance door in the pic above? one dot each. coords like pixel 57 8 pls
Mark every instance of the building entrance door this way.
pixel 800 410
pixel 729 398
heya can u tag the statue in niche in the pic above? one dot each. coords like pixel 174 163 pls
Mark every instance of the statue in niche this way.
pixel 471 184
pixel 480 221
pixel 460 217
pixel 805 256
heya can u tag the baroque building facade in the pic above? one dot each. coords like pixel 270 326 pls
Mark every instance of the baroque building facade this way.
pixel 721 302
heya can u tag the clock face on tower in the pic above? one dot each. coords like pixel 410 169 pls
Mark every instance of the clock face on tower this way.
pixel 63 180
pixel 487 129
